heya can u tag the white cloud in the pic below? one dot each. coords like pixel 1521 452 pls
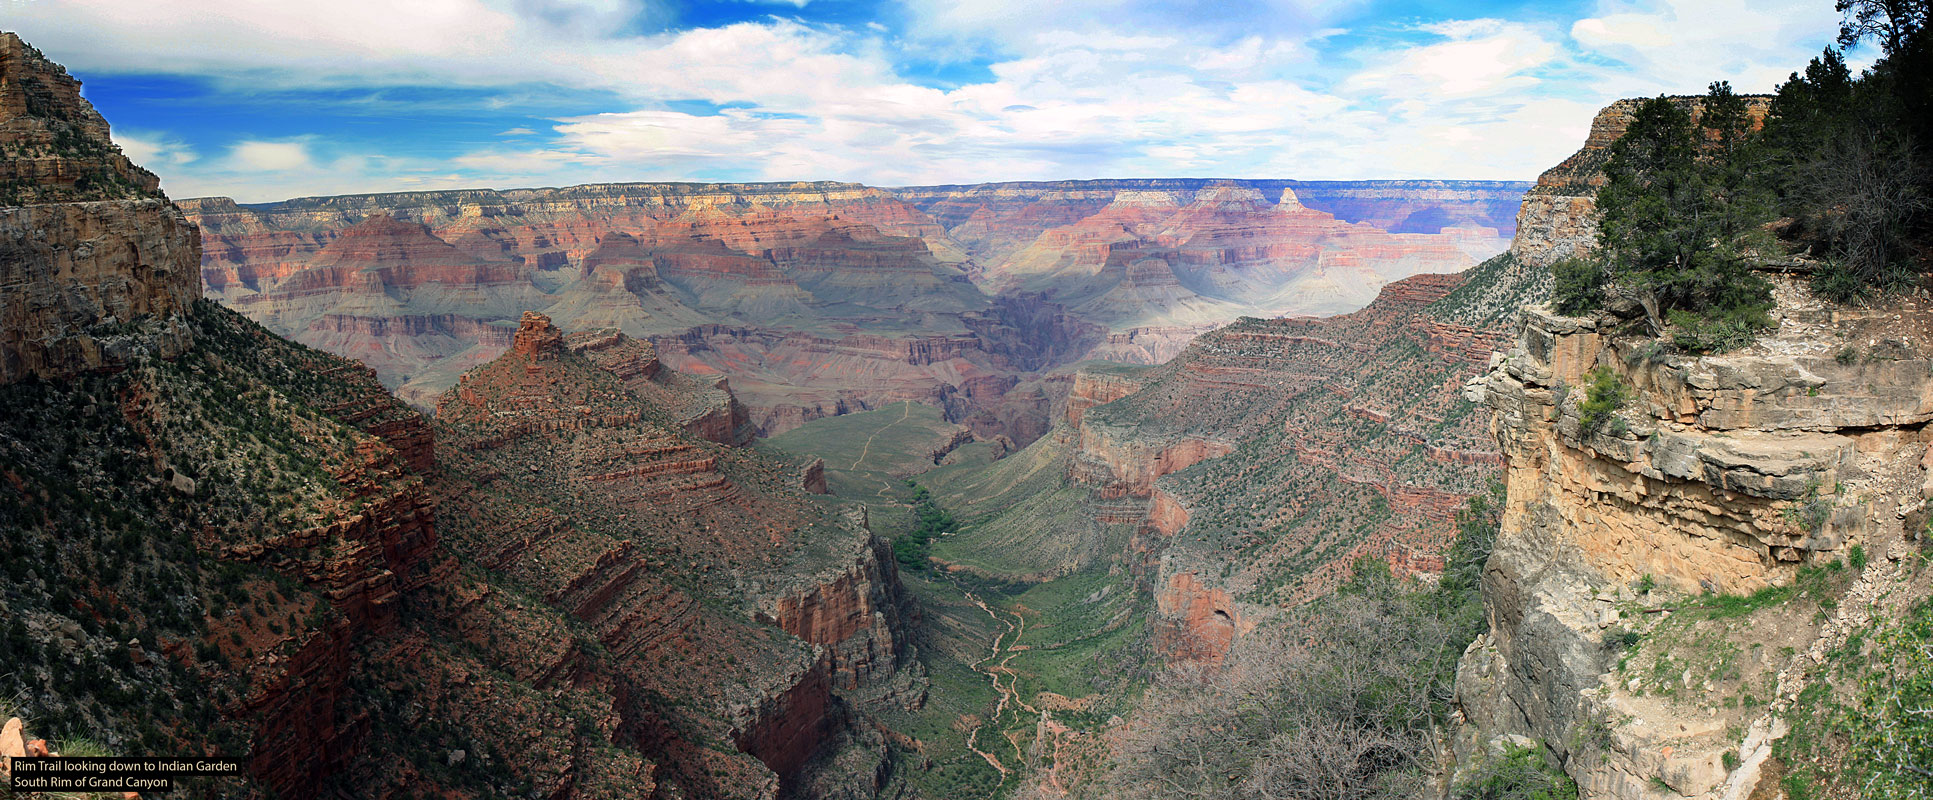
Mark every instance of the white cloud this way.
pixel 1086 88
pixel 1679 46
pixel 1482 57
pixel 156 151
pixel 252 156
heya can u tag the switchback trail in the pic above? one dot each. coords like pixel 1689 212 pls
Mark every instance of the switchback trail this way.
pixel 1004 649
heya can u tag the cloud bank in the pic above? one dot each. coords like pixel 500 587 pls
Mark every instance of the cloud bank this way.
pixel 1026 90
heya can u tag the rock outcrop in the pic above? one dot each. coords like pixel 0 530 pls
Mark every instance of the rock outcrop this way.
pixel 1722 474
pixel 95 265
pixel 567 472
pixel 1679 561
pixel 57 146
pixel 1148 262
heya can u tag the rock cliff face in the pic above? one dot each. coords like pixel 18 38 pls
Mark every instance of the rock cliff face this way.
pixel 57 146
pixel 1674 582
pixel 143 393
pixel 569 474
pixel 1727 474
pixel 574 585
pixel 95 265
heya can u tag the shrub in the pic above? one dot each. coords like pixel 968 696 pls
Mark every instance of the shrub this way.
pixel 1519 773
pixel 1681 209
pixel 1579 286
pixel 1719 330
pixel 1602 399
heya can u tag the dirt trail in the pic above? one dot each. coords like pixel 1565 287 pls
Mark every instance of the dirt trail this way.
pixel 863 451
pixel 1005 648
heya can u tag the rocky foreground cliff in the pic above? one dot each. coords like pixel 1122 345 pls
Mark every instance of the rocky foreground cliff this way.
pixel 1709 577
pixel 577 583
pixel 1689 589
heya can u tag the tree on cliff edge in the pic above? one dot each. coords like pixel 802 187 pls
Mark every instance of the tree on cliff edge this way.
pixel 1680 223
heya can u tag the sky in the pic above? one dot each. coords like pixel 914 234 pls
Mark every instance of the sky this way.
pixel 264 100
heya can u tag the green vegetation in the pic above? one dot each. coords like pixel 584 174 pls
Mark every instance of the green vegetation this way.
pixel 868 454
pixel 1353 716
pixel 1847 155
pixel 1518 773
pixel 1708 638
pixel 1811 512
pixel 1841 158
pixel 122 487
pixel 1861 727
pixel 1578 285
pixel 913 547
pixel 1602 399
pixel 1680 225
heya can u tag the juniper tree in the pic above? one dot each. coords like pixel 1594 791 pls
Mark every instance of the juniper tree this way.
pixel 1680 220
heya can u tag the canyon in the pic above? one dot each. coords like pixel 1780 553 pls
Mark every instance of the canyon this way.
pixel 601 491
pixel 817 299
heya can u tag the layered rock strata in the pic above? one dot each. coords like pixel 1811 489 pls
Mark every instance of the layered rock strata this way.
pixel 573 479
pixel 805 295
pixel 95 265
pixel 1722 474
pixel 222 542
pixel 1250 471
pixel 1149 264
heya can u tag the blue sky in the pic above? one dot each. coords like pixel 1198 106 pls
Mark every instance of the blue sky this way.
pixel 268 99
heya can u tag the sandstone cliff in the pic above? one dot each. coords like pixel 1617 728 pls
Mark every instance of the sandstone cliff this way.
pixel 1682 589
pixel 568 474
pixel 56 146
pixel 95 266
pixel 1722 476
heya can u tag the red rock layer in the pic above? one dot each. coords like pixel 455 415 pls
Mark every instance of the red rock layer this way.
pixel 1273 453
